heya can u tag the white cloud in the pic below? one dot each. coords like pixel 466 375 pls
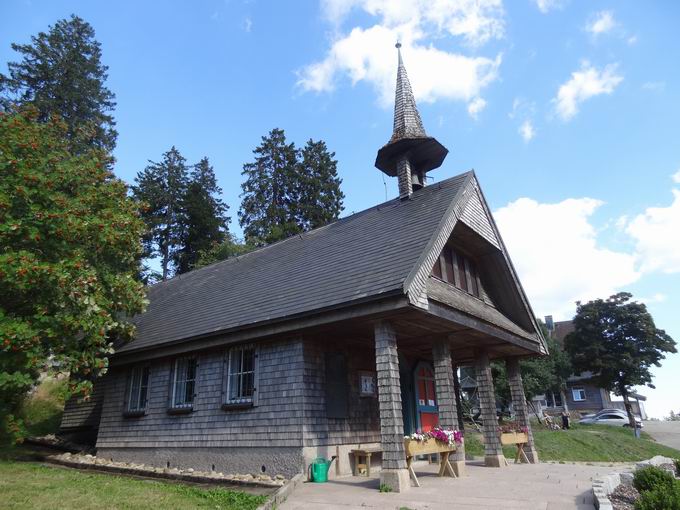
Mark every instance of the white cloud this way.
pixel 632 40
pixel 247 24
pixel 545 6
pixel 527 131
pixel 475 106
pixel 655 86
pixel 676 177
pixel 555 250
pixel 655 232
pixel 366 53
pixel 601 23
pixel 584 84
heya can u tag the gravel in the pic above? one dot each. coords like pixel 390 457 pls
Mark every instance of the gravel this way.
pixel 624 497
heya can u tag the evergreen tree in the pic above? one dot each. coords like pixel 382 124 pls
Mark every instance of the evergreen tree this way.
pixel 270 192
pixel 288 191
pixel 203 216
pixel 320 195
pixel 162 188
pixel 228 248
pixel 616 339
pixel 61 73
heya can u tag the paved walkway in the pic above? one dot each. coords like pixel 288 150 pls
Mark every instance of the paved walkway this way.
pixel 664 432
pixel 522 486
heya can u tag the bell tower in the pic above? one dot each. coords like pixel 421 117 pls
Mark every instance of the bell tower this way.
pixel 410 153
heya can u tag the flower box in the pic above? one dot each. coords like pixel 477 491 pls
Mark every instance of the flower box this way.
pixel 414 447
pixel 508 438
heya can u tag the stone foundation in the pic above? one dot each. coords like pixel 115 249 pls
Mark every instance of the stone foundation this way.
pixel 395 479
pixel 276 461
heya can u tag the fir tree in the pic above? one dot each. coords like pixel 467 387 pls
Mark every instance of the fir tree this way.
pixel 61 73
pixel 162 188
pixel 320 195
pixel 204 220
pixel 270 192
pixel 288 191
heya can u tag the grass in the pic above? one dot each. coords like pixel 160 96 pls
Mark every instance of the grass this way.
pixel 42 409
pixel 30 485
pixel 584 443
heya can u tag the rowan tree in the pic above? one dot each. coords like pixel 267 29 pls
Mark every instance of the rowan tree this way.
pixel 69 247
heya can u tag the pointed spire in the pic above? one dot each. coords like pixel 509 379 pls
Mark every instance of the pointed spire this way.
pixel 407 122
pixel 410 153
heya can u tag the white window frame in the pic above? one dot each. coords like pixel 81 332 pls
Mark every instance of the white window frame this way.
pixel 185 404
pixel 240 400
pixel 576 394
pixel 138 392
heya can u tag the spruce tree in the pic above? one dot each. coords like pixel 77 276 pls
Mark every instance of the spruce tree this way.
pixel 270 192
pixel 61 73
pixel 204 220
pixel 162 188
pixel 288 191
pixel 320 197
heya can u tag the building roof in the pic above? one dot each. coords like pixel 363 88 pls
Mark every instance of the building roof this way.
pixel 363 256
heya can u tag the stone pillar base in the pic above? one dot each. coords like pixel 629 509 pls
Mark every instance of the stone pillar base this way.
pixel 458 467
pixel 396 479
pixel 495 461
pixel 532 455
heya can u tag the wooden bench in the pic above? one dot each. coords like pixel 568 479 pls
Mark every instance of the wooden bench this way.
pixel 363 453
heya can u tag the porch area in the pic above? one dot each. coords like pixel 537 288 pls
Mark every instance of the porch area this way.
pixel 411 358
pixel 520 486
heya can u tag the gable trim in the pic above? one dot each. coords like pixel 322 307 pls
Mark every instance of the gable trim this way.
pixel 415 285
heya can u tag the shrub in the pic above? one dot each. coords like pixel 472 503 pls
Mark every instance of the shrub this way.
pixel 650 477
pixel 676 462
pixel 660 498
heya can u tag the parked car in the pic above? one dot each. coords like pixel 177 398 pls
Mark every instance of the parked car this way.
pixel 604 411
pixel 610 417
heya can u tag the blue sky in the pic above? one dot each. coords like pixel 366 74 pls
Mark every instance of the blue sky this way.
pixel 566 110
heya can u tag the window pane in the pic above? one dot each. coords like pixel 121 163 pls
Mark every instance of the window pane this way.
pixel 436 268
pixel 473 278
pixel 462 280
pixel 144 388
pixel 133 398
pixel 448 264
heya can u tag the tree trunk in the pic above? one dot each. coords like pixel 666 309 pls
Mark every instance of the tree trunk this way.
pixel 533 408
pixel 564 400
pixel 629 409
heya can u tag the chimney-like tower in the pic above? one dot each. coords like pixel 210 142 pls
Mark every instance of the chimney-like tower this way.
pixel 410 153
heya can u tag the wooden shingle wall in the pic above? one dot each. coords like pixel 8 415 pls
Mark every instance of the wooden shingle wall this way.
pixel 362 422
pixel 275 422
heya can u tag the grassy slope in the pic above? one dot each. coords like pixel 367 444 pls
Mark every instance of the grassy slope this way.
pixel 31 485
pixel 595 443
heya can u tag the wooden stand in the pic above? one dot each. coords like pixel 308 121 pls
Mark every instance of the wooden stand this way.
pixel 519 439
pixel 363 453
pixel 414 448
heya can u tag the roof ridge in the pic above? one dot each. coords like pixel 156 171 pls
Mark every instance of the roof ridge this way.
pixel 232 260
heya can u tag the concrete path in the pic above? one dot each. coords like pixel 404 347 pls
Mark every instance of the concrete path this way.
pixel 525 487
pixel 664 432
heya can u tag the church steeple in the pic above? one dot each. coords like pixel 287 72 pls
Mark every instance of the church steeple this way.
pixel 410 153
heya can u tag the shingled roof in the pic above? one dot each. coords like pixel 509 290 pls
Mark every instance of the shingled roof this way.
pixel 366 255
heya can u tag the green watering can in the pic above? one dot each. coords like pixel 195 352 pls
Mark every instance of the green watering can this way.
pixel 320 469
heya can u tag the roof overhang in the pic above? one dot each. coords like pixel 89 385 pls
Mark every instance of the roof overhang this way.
pixel 425 154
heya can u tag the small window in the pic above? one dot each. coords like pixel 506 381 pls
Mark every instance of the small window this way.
pixel 367 381
pixel 578 394
pixel 138 391
pixel 184 384
pixel 240 364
